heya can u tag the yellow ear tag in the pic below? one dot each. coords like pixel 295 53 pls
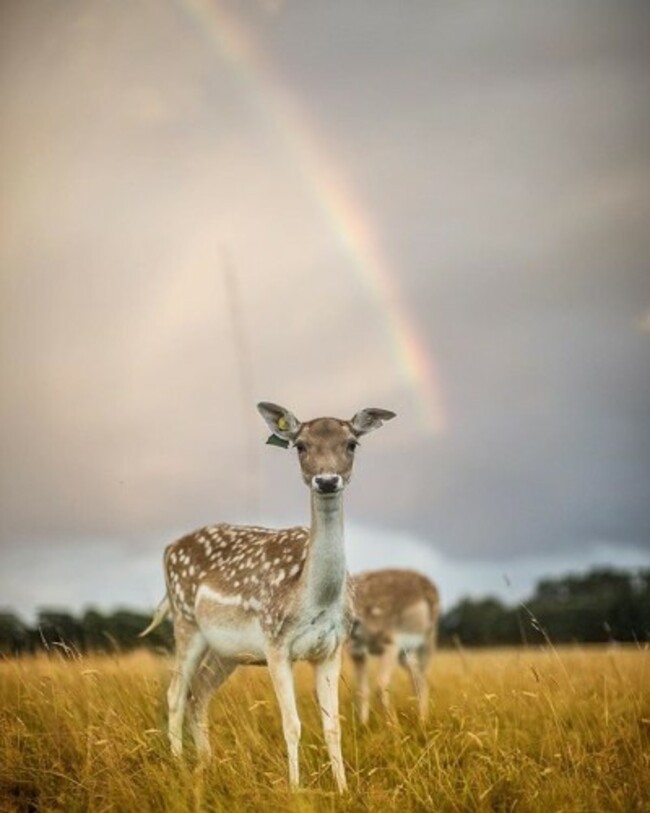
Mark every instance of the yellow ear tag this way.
pixel 282 423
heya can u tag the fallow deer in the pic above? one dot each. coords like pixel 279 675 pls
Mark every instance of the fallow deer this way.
pixel 249 595
pixel 396 619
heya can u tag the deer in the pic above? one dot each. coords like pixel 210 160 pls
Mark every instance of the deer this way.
pixel 396 619
pixel 241 594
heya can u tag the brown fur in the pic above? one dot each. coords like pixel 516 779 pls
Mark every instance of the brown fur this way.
pixel 391 607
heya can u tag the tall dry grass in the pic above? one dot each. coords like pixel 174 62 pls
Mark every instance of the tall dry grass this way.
pixel 526 730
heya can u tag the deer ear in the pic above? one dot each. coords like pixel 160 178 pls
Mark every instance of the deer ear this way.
pixel 370 419
pixel 280 421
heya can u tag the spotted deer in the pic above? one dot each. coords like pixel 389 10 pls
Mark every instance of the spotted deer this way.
pixel 396 619
pixel 248 595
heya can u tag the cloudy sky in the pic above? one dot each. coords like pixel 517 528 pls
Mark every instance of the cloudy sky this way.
pixel 440 208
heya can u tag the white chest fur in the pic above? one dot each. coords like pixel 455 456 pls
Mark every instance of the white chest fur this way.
pixel 409 641
pixel 319 635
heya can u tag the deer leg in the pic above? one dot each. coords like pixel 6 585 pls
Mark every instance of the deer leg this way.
pixel 387 664
pixel 190 647
pixel 413 661
pixel 282 679
pixel 211 674
pixel 362 686
pixel 327 691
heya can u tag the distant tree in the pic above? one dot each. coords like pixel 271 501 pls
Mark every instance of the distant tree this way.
pixel 60 629
pixel 602 605
pixel 480 623
pixel 14 634
pixel 94 625
pixel 641 593
pixel 120 631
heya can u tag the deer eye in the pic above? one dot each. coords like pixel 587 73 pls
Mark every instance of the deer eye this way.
pixel 300 446
pixel 352 445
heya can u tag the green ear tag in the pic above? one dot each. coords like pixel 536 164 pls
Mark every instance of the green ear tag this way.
pixel 275 440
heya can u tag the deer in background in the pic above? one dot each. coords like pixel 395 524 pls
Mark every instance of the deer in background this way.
pixel 248 595
pixel 396 619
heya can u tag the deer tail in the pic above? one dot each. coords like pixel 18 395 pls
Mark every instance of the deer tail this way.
pixel 162 611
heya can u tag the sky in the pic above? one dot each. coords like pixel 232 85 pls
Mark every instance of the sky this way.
pixel 437 208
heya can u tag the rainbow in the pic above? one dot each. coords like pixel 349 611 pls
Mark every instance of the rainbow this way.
pixel 332 193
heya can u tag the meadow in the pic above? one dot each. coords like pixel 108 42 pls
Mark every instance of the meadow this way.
pixel 524 729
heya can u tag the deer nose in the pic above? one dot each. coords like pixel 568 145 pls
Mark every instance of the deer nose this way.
pixel 327 483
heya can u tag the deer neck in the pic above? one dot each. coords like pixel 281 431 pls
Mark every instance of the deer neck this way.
pixel 325 570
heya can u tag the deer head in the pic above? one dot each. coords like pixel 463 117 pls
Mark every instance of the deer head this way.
pixel 325 446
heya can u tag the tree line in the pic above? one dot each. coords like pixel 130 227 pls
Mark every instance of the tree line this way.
pixel 603 605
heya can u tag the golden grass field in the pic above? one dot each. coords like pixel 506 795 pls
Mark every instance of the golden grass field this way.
pixel 520 729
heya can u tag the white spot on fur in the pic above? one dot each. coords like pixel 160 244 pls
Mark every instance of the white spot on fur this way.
pixel 207 592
